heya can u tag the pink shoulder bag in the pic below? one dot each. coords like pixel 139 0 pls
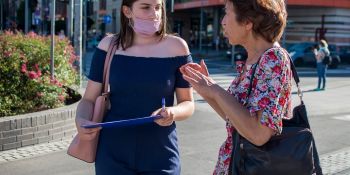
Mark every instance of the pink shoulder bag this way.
pixel 86 149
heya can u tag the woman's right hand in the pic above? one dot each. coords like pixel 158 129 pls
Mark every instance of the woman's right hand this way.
pixel 86 133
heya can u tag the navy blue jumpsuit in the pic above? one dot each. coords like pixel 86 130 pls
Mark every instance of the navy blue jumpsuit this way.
pixel 137 85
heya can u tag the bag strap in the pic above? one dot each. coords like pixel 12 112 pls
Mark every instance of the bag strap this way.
pixel 111 51
pixel 294 72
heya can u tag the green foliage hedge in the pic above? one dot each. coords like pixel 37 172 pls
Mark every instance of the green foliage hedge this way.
pixel 25 83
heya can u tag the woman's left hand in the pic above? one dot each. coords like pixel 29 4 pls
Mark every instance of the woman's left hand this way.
pixel 201 83
pixel 167 114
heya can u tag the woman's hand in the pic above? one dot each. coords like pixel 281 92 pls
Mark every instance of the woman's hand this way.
pixel 201 67
pixel 167 114
pixel 199 80
pixel 86 133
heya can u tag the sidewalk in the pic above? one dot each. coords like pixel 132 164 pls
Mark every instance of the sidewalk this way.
pixel 329 114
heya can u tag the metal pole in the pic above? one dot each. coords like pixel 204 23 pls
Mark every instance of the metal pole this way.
pixel 70 20
pixel 42 16
pixel 53 20
pixel 85 27
pixel 119 3
pixel 44 23
pixel 1 11
pixel 233 56
pixel 172 6
pixel 26 16
pixel 78 33
pixel 285 30
pixel 200 31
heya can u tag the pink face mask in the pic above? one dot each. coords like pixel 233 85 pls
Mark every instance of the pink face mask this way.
pixel 146 27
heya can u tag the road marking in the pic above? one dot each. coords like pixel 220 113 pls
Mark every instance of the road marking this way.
pixel 344 118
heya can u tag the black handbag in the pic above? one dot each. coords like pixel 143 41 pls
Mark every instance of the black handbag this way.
pixel 293 152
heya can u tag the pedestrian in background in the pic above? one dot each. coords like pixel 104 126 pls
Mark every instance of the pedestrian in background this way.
pixel 144 69
pixel 257 25
pixel 320 55
pixel 61 35
pixel 217 43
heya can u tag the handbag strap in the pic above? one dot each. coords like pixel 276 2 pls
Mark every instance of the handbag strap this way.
pixel 294 72
pixel 111 51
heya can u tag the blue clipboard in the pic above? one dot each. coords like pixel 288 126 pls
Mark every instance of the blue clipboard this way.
pixel 121 123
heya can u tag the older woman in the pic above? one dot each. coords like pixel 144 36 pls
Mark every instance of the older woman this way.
pixel 257 25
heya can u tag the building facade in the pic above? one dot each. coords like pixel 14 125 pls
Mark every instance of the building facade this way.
pixel 198 21
pixel 106 15
pixel 12 14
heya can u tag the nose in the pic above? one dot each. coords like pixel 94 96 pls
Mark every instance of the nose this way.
pixel 154 14
pixel 223 23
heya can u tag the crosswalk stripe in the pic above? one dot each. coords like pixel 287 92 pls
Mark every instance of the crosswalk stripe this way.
pixel 344 118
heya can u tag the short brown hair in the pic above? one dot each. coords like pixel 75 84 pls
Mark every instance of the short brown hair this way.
pixel 269 17
pixel 126 35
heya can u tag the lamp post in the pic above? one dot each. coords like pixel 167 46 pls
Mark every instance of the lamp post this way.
pixel 172 6
pixel 1 16
pixel 78 23
pixel 201 28
pixel 70 19
pixel 285 30
pixel 85 4
pixel 52 51
pixel 26 16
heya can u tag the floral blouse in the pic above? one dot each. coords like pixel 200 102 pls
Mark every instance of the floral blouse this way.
pixel 271 94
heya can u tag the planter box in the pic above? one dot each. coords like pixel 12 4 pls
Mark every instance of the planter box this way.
pixel 39 127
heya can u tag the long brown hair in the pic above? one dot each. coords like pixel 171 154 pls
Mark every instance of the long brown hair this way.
pixel 126 36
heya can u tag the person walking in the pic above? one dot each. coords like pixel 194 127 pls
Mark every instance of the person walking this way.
pixel 257 25
pixel 320 55
pixel 144 69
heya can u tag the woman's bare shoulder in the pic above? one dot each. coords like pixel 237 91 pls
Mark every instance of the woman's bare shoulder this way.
pixel 177 45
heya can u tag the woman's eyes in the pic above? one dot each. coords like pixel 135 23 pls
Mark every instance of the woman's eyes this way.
pixel 148 7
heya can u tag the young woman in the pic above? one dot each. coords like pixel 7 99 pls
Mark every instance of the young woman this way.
pixel 321 68
pixel 144 69
pixel 257 25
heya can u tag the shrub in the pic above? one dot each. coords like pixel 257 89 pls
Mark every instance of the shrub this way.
pixel 25 84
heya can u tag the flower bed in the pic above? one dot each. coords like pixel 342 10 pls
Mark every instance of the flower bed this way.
pixel 25 83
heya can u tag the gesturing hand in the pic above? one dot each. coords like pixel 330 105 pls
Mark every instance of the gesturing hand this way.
pixel 197 76
pixel 201 67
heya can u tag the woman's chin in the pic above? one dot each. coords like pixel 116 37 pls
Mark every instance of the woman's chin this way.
pixel 232 42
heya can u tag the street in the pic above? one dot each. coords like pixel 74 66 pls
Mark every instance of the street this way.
pixel 201 136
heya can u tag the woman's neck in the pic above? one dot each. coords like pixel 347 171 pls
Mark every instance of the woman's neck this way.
pixel 145 40
pixel 255 48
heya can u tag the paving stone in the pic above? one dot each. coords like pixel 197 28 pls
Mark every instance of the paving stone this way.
pixel 335 162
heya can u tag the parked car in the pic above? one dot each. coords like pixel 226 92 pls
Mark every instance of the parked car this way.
pixel 344 54
pixel 302 54
pixel 240 53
